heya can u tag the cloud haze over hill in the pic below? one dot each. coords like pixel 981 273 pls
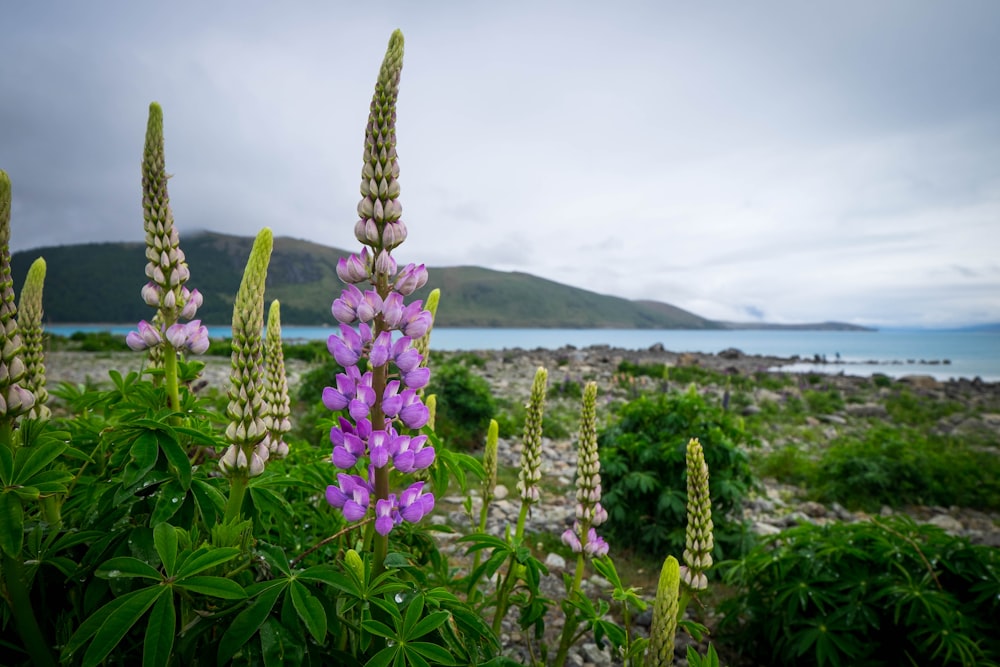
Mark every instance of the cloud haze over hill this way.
pixel 781 161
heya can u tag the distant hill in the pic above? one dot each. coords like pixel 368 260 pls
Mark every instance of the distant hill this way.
pixel 813 326
pixel 100 282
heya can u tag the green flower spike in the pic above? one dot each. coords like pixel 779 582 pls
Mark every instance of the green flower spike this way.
pixel 29 322
pixel 423 344
pixel 166 267
pixel 379 210
pixel 490 462
pixel 14 399
pixel 246 430
pixel 531 452
pixel 699 539
pixel 276 386
pixel 661 633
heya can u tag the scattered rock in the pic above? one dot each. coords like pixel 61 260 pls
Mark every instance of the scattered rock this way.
pixel 555 561
pixel 947 523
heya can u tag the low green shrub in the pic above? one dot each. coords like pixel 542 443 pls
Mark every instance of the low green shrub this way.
pixel 465 405
pixel 643 472
pixel 899 466
pixel 887 592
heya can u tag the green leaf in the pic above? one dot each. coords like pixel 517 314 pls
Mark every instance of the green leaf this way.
pixel 30 460
pixel 165 539
pixel 204 559
pixel 209 499
pixel 160 631
pixel 127 567
pixel 379 628
pixel 384 657
pixel 310 610
pixel 144 452
pixel 11 523
pixel 6 465
pixel 177 458
pixel 436 653
pixel 246 623
pixel 119 622
pixel 413 614
pixel 170 498
pixel 428 623
pixel 218 587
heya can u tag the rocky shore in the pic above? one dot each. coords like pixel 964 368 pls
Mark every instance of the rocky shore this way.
pixel 510 372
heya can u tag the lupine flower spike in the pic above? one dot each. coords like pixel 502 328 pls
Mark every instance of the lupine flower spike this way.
pixel 14 398
pixel 699 539
pixel 660 652
pixel 490 470
pixel 531 449
pixel 29 323
pixel 582 537
pixel 247 451
pixel 166 269
pixel 276 386
pixel 382 404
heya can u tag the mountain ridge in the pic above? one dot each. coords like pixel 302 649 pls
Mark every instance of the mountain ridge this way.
pixel 302 275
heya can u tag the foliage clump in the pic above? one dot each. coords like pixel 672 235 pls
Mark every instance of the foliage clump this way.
pixel 465 405
pixel 886 592
pixel 643 463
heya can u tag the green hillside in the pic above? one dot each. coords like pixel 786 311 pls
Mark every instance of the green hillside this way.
pixel 100 282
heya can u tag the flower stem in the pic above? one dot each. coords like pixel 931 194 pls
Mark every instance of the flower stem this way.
pixel 24 615
pixel 569 626
pixel 237 489
pixel 170 375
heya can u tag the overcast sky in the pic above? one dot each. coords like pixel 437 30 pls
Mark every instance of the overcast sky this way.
pixel 786 161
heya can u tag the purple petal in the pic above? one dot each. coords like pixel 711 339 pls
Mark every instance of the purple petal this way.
pixel 353 511
pixel 333 399
pixel 135 341
pixel 423 458
pixel 417 378
pixel 335 496
pixel 343 458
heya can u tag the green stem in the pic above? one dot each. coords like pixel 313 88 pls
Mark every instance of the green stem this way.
pixel 502 593
pixel 237 489
pixel 50 509
pixel 569 626
pixel 483 516
pixel 24 615
pixel 170 375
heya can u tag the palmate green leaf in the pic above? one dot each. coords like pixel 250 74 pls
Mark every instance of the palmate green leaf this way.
pixel 126 567
pixel 411 657
pixel 205 558
pixel 246 623
pixel 144 452
pixel 177 458
pixel 279 646
pixel 170 498
pixel 51 481
pixel 11 523
pixel 209 500
pixel 217 587
pixel 165 541
pixel 30 460
pixel 385 657
pixel 436 653
pixel 119 621
pixel 310 610
pixel 160 633
pixel 426 624
pixel 381 629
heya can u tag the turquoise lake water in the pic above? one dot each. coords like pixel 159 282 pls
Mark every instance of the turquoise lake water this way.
pixel 969 353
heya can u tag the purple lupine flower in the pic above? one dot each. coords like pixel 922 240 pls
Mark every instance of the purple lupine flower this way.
pixel 146 336
pixel 412 454
pixel 413 413
pixel 345 308
pixel 382 445
pixel 351 496
pixel 381 348
pixel 392 310
pixel 374 425
pixel 355 268
pixel 410 279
